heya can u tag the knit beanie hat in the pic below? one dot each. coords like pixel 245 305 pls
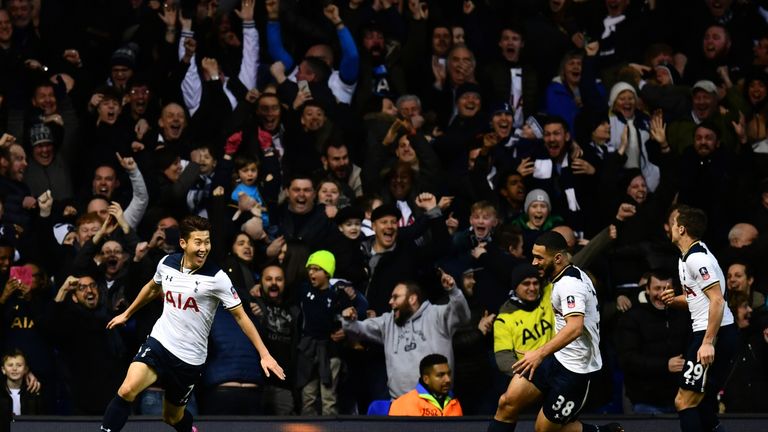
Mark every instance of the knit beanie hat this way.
pixel 616 91
pixel 673 73
pixel 324 260
pixel 518 275
pixel 124 56
pixel 537 195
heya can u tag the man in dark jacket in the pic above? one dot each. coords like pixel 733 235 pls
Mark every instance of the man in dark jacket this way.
pixel 300 218
pixel 95 357
pixel 650 340
pixel 394 255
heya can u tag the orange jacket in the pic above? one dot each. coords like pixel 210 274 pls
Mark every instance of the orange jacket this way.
pixel 419 403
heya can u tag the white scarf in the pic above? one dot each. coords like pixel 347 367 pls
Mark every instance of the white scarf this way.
pixel 609 25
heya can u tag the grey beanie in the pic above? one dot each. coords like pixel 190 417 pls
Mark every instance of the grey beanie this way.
pixel 535 196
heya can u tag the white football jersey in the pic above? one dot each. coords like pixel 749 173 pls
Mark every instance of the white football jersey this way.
pixel 699 271
pixel 573 293
pixel 191 299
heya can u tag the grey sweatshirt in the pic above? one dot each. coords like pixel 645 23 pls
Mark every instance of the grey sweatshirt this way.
pixel 429 331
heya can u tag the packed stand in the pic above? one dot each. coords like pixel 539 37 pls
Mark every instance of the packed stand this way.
pixel 376 173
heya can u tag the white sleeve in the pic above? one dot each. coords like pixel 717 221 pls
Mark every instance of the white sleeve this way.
pixel 191 86
pixel 573 299
pixel 225 291
pixel 702 270
pixel 250 62
pixel 158 277
pixel 138 205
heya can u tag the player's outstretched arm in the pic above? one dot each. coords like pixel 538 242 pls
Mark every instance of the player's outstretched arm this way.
pixel 146 295
pixel 267 362
pixel 574 326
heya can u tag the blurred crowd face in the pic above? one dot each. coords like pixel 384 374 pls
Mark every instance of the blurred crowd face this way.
pixel 113 257
pixel 273 284
pixel 483 222
pixel 441 41
pixel 715 43
pixel 313 118
pixel 468 104
pixel 138 98
pixel 172 121
pixel 301 196
pixel 328 193
pixel 528 289
pixel 514 189
pixel 737 279
pixel 638 189
pixel 351 228
pixel 625 104
pixel 108 111
pixel 44 97
pixel 511 43
pixel 21 12
pixel 104 181
pixel 555 138
pixel 18 164
pixel 337 160
pixel 438 379
pixel 461 66
pixel 402 304
pixel 87 293
pixel 268 112
pixel 385 229
pixel 654 289
pixel 6 29
pixel 705 142
pixel 243 247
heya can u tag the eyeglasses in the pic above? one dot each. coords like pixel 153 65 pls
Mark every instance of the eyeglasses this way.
pixel 144 92
pixel 83 287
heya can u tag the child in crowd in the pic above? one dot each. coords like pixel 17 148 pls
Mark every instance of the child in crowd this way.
pixel 17 398
pixel 319 364
pixel 247 169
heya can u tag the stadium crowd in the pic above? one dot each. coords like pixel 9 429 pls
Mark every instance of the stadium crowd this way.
pixel 376 172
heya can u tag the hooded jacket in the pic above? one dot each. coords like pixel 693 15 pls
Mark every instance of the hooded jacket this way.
pixel 428 331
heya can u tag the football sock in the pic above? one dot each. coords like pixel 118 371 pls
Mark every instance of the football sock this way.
pixel 116 415
pixel 185 424
pixel 690 421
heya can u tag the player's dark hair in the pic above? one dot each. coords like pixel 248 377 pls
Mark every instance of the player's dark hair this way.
pixel 193 223
pixel 430 360
pixel 693 219
pixel 553 242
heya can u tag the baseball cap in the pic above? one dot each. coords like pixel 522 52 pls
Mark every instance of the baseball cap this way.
pixel 706 85
pixel 39 134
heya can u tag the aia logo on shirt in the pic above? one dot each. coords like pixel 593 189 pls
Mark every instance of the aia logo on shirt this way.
pixel 234 292
pixel 704 273
pixel 571 302
pixel 177 300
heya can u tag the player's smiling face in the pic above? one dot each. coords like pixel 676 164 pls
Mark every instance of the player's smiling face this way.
pixel 543 261
pixel 196 248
